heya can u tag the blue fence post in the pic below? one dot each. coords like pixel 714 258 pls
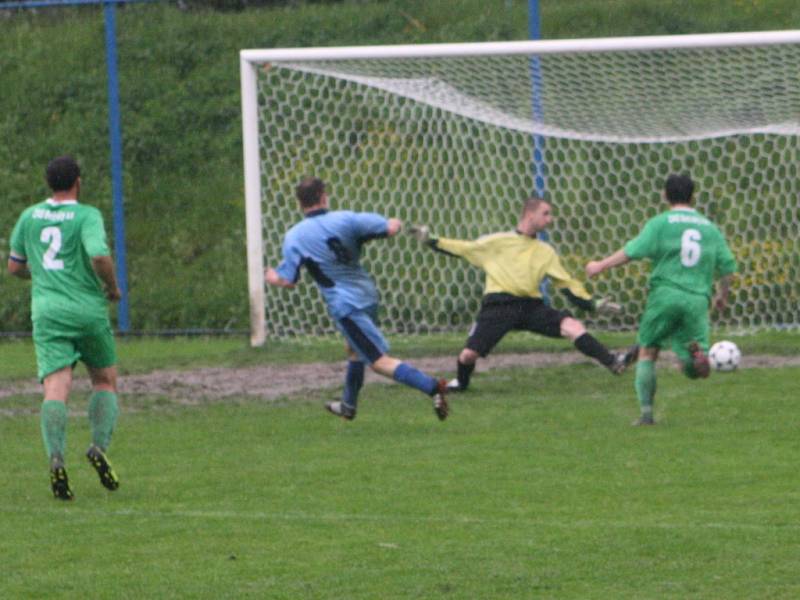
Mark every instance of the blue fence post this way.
pixel 539 172
pixel 115 137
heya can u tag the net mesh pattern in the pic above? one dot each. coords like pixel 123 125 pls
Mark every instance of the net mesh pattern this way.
pixel 451 142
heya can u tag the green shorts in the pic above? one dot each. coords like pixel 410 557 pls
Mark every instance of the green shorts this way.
pixel 58 345
pixel 675 316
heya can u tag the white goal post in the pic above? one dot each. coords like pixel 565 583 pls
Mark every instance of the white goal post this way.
pixel 444 134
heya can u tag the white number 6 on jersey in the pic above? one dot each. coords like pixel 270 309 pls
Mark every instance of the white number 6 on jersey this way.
pixel 52 236
pixel 690 247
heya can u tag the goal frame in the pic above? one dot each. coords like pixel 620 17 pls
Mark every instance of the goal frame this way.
pixel 250 59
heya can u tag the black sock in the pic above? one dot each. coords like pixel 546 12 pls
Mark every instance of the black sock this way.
pixel 589 346
pixel 464 373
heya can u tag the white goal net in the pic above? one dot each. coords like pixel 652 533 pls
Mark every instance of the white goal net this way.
pixel 455 135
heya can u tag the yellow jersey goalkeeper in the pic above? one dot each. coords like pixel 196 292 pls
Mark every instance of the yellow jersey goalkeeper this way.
pixel 515 263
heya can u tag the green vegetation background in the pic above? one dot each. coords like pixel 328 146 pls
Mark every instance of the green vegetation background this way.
pixel 179 79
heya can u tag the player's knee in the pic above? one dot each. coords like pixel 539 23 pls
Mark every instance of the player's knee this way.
pixel 468 357
pixel 385 365
pixel 104 379
pixel 572 328
pixel 646 353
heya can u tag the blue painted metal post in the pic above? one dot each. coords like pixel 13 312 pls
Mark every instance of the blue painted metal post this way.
pixel 115 136
pixel 539 173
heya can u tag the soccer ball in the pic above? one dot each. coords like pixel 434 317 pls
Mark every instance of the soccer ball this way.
pixel 724 356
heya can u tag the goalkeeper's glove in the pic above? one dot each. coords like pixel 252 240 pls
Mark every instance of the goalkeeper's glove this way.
pixel 420 232
pixel 605 305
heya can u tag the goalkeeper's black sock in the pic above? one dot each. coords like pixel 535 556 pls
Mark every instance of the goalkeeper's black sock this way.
pixel 588 345
pixel 464 374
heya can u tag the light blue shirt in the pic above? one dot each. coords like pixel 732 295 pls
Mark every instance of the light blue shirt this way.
pixel 328 244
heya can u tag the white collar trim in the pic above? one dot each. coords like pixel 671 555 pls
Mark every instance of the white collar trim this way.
pixel 52 202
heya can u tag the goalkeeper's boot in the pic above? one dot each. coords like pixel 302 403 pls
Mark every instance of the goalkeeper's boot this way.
pixel 59 483
pixel 644 420
pixel 105 471
pixel 623 360
pixel 702 367
pixel 454 386
pixel 440 406
pixel 340 409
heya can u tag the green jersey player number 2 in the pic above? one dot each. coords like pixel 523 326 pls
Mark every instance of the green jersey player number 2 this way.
pixel 61 246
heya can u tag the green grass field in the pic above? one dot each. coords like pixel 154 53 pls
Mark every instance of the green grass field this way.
pixel 536 487
pixel 141 355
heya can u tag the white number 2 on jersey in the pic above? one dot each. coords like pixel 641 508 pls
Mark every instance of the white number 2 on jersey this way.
pixel 52 236
pixel 690 247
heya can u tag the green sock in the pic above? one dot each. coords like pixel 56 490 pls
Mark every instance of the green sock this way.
pixel 103 411
pixel 646 385
pixel 54 428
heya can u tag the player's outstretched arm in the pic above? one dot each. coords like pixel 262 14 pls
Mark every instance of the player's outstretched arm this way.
pixel 272 278
pixel 595 267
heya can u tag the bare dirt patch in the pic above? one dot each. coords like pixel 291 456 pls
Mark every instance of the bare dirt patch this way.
pixel 274 381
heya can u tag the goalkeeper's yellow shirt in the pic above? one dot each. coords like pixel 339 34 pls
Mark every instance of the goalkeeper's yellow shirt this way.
pixel 514 263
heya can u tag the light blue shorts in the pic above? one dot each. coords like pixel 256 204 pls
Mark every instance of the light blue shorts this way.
pixel 361 331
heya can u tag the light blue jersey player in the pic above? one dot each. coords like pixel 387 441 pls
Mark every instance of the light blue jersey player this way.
pixel 328 244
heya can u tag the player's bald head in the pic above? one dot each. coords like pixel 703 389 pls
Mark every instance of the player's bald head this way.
pixel 531 205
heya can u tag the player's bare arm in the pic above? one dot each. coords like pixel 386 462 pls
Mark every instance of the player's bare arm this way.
pixel 595 267
pixel 272 278
pixel 18 266
pixel 723 290
pixel 104 267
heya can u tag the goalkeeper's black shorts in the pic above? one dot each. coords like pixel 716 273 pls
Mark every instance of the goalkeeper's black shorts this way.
pixel 501 313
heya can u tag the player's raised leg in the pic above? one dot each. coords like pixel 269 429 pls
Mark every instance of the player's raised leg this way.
pixel 411 376
pixel 690 341
pixel 54 428
pixel 368 343
pixel 587 344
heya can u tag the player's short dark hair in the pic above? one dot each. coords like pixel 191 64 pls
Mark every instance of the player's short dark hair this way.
pixel 679 189
pixel 531 204
pixel 309 191
pixel 62 172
